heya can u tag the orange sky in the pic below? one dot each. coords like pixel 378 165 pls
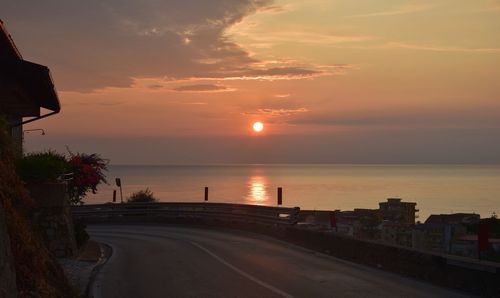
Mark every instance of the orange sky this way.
pixel 384 74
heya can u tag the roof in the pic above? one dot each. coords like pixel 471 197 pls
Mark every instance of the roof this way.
pixel 7 46
pixel 31 80
pixel 452 218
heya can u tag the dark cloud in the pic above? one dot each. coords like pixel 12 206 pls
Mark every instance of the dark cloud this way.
pixel 101 43
pixel 202 88
pixel 155 86
pixel 406 118
pixel 275 8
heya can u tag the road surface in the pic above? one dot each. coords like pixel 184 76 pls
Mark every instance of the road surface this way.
pixel 173 261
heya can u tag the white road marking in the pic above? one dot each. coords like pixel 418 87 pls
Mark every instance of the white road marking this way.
pixel 243 273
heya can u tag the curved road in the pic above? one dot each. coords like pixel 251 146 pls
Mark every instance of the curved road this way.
pixel 173 261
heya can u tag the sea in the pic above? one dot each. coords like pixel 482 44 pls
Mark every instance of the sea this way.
pixel 437 189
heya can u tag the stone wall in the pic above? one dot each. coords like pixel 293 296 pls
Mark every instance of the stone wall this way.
pixel 7 272
pixel 53 218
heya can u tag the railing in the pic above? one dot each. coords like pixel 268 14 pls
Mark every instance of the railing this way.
pixel 253 214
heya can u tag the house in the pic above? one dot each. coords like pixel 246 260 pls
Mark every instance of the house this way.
pixel 439 231
pixel 396 211
pixel 396 233
pixel 467 246
pixel 26 89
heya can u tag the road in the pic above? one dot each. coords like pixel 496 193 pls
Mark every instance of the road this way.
pixel 173 261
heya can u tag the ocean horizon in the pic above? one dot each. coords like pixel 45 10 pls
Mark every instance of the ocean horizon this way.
pixel 437 189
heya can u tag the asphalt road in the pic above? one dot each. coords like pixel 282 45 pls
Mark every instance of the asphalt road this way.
pixel 173 261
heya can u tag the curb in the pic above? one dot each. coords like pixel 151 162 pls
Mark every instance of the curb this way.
pixel 106 252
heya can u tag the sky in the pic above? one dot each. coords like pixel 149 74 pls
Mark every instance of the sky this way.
pixel 333 81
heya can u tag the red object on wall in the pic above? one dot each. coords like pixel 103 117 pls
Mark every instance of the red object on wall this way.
pixel 483 237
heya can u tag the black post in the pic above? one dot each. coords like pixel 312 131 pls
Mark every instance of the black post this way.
pixel 280 196
pixel 114 195
pixel 119 184
pixel 206 193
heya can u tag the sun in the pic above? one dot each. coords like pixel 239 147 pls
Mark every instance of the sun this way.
pixel 258 126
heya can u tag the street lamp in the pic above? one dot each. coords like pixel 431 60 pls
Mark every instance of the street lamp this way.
pixel 31 130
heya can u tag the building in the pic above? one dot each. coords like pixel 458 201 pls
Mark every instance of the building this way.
pixel 26 89
pixel 440 231
pixel 396 211
pixel 396 233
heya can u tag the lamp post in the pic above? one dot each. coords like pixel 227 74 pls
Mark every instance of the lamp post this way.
pixel 27 131
pixel 35 129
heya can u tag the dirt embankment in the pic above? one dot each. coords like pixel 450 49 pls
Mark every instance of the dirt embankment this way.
pixel 37 271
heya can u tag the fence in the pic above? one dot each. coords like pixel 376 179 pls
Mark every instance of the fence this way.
pixel 253 214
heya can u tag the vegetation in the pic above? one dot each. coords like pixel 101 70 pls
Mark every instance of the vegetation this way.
pixel 37 273
pixel 83 172
pixel 42 167
pixel 142 196
pixel 88 173
pixel 81 234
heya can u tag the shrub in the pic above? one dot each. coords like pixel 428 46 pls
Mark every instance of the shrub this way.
pixel 81 234
pixel 42 167
pixel 142 196
pixel 88 173
pixel 83 172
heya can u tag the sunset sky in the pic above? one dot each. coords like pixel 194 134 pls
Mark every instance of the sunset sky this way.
pixel 174 82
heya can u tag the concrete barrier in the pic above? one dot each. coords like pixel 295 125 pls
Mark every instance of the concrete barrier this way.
pixel 157 212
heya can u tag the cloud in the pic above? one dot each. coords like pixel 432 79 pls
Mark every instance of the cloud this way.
pixel 420 47
pixel 419 117
pixel 435 48
pixel 276 9
pixel 277 112
pixel 282 95
pixel 204 88
pixel 494 5
pixel 404 9
pixel 297 35
pixel 155 86
pixel 108 43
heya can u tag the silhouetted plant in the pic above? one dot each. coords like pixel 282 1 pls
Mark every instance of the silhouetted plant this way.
pixel 42 167
pixel 142 196
pixel 81 235
pixel 87 173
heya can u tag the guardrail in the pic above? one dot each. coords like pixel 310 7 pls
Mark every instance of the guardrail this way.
pixel 253 214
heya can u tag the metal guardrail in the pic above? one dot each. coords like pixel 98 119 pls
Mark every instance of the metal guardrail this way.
pixel 253 214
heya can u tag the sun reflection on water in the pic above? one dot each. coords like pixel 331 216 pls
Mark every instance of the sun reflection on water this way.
pixel 257 191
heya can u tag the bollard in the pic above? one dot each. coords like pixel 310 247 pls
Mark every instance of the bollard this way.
pixel 482 240
pixel 114 195
pixel 333 221
pixel 280 196
pixel 206 193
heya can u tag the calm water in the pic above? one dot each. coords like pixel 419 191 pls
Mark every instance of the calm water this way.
pixel 435 188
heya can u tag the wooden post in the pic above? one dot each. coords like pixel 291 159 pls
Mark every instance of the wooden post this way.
pixel 206 193
pixel 280 196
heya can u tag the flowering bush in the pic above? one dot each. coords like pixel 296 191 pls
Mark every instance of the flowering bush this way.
pixel 87 172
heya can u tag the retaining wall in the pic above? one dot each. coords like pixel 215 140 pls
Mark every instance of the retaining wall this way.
pixel 8 287
pixel 53 218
